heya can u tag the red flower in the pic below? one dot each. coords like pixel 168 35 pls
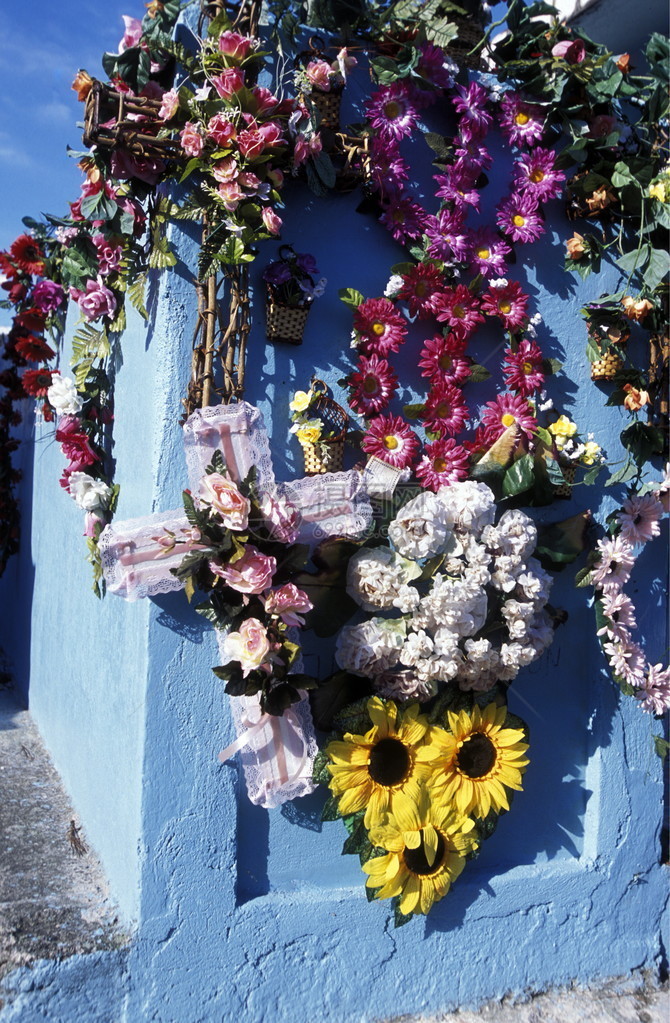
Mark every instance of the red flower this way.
pixel 32 319
pixel 523 368
pixel 391 440
pixel 27 254
pixel 34 349
pixel 381 327
pixel 373 385
pixel 444 462
pixel 443 359
pixel 505 411
pixel 36 382
pixel 421 289
pixel 508 302
pixel 460 309
pixel 445 410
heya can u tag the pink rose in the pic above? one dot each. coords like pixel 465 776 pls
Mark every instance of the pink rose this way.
pixel 249 180
pixel 47 296
pixel 252 573
pixel 225 500
pixel 230 81
pixel 96 301
pixel 232 44
pixel 91 522
pixel 250 646
pixel 251 142
pixel 169 105
pixel 225 170
pixel 191 139
pixel 221 130
pixel 571 50
pixel 231 193
pixel 272 133
pixel 319 73
pixel 109 256
pixel 286 601
pixel 265 100
pixel 271 220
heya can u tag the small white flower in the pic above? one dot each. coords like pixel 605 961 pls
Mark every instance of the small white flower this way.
pixel 88 493
pixel 62 396
pixel 202 93
pixel 394 285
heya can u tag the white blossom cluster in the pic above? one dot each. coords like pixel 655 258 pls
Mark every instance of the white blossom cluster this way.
pixel 477 618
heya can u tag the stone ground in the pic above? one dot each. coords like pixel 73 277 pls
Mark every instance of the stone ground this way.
pixel 54 901
pixel 53 894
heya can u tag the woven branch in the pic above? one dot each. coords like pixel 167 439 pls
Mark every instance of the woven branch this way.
pixel 110 121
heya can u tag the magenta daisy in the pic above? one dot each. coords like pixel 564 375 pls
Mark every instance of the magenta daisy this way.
pixel 472 156
pixel 640 518
pixel 457 186
pixel 434 68
pixel 443 359
pixel 460 309
pixel 523 368
pixel 382 329
pixel 471 103
pixel 519 217
pixel 488 253
pixel 536 173
pixel 392 110
pixel 372 385
pixel 421 289
pixel 521 122
pixel 388 168
pixel 392 440
pixel 509 302
pixel 654 691
pixel 444 462
pixel 404 218
pixel 447 237
pixel 507 410
pixel 445 411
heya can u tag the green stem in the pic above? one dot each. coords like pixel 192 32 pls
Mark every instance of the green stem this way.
pixel 639 246
pixel 482 42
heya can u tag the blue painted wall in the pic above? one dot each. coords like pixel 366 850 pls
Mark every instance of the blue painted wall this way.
pixel 249 915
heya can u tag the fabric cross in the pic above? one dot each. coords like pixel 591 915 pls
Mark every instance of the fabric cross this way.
pixel 277 753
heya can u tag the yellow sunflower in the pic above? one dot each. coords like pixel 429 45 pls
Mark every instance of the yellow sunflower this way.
pixel 478 760
pixel 372 771
pixel 426 842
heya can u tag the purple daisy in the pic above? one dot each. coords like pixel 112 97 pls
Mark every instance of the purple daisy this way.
pixel 472 156
pixel 392 110
pixel 654 691
pixel 471 103
pixel 389 170
pixel 435 66
pixel 404 218
pixel 447 237
pixel 488 253
pixel 519 217
pixel 536 173
pixel 457 186
pixel 521 122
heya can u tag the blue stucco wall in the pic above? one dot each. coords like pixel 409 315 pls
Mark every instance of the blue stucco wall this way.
pixel 244 914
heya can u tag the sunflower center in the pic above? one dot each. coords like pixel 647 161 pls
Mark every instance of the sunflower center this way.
pixel 390 442
pixel 378 328
pixel 537 176
pixel 518 220
pixel 417 861
pixel 521 118
pixel 392 110
pixel 508 419
pixel 483 253
pixel 476 756
pixel 389 762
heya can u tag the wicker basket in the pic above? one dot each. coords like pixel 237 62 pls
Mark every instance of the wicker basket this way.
pixel 326 106
pixel 569 471
pixel 111 122
pixel 284 322
pixel 326 455
pixel 470 32
pixel 607 367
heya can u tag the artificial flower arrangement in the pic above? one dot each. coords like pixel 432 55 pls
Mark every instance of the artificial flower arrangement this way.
pixel 291 291
pixel 320 83
pixel 319 425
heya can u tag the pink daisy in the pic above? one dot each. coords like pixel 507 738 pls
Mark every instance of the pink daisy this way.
pixel 460 309
pixel 372 385
pixel 640 518
pixel 626 660
pixel 519 217
pixel 505 411
pixel 421 289
pixel 536 173
pixel 447 236
pixel 392 110
pixel 613 569
pixel 457 186
pixel 444 462
pixel 404 218
pixel 389 170
pixel 488 253
pixel 471 103
pixel 443 359
pixel 507 301
pixel 521 122
pixel 381 327
pixel 445 411
pixel 654 692
pixel 620 613
pixel 523 368
pixel 391 439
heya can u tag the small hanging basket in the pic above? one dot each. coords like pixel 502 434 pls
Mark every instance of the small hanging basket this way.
pixel 115 120
pixel 351 158
pixel 470 33
pixel 326 106
pixel 285 323
pixel 607 367
pixel 326 455
pixel 569 470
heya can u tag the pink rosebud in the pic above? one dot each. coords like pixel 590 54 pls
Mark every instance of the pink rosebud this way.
pixel 232 44
pixel 191 139
pixel 252 573
pixel 286 602
pixel 225 500
pixel 272 222
pixel 319 73
pixel 571 50
pixel 91 522
pixel 169 105
pixel 249 647
pixel 230 81
pixel 221 130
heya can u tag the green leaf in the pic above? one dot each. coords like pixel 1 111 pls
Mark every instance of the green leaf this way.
pixel 634 260
pixel 399 919
pixel 661 746
pixel 622 475
pixel 320 773
pixel 544 436
pixel 351 297
pixel 643 440
pixel 561 542
pixel 334 694
pixel 657 268
pixel 478 373
pixel 583 577
pixel 330 810
pixel 136 289
pixel 519 477
pixel 325 168
pixel 593 473
pixel 414 411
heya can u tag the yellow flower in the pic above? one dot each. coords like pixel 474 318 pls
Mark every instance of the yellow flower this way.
pixel 301 400
pixel 563 427
pixel 372 771
pixel 479 758
pixel 591 453
pixel 426 843
pixel 657 191
pixel 309 433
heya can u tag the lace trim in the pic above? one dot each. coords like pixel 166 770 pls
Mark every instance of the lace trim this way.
pixel 134 563
pixel 238 431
